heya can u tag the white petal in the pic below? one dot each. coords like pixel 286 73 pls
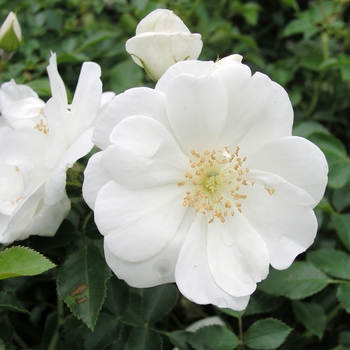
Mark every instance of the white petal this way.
pixel 161 20
pixel 288 228
pixel 143 154
pixel 259 109
pixel 58 89
pixel 56 113
pixel 24 148
pixel 32 217
pixel 86 101
pixel 26 112
pixel 295 159
pixel 11 187
pixel 193 275
pixel 95 177
pixel 48 218
pixel 11 92
pixel 280 186
pixel 138 224
pixel 197 108
pixel 156 52
pixel 56 183
pixel 192 67
pixel 238 257
pixel 159 269
pixel 137 101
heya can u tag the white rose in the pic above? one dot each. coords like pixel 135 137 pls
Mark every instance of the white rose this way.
pixel 200 182
pixel 161 40
pixel 38 143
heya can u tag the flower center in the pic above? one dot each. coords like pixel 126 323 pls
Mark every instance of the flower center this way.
pixel 214 184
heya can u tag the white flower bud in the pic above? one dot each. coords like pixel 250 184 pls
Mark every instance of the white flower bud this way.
pixel 10 33
pixel 161 40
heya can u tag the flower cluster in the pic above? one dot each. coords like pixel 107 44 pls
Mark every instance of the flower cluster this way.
pixel 38 142
pixel 198 181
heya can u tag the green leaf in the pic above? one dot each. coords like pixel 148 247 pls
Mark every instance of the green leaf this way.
pixel 117 298
pixel 9 302
pixel 299 26
pixel 143 339
pixel 21 261
pixel 299 281
pixel 179 339
pixel 231 312
pixel 342 227
pixel 339 163
pixel 334 262
pixel 2 345
pixel 104 334
pixel 261 302
pixel 98 37
pixel 344 338
pixel 81 283
pixel 266 334
pixel 341 197
pixel 305 129
pixel 71 57
pixel 312 316
pixel 158 301
pixel 343 295
pixel 213 337
pixel 74 333
pixel 133 314
pixel 125 75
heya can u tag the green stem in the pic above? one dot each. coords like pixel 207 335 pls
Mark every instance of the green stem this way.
pixel 338 281
pixel 60 321
pixel 240 327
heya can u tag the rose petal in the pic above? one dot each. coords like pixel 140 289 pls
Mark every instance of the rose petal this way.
pixel 158 269
pixel 288 228
pixel 193 275
pixel 150 103
pixel 244 258
pixel 295 159
pixel 131 163
pixel 196 68
pixel 259 109
pixel 138 224
pixel 197 110
pixel 95 177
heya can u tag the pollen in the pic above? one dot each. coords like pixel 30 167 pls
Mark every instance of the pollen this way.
pixel 215 183
pixel 42 126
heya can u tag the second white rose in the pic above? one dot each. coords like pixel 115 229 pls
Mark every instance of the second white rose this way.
pixel 161 40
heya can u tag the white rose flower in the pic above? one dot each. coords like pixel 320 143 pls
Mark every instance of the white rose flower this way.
pixel 161 40
pixel 38 142
pixel 200 182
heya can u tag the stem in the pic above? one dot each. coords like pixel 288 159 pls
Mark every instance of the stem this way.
pixel 60 321
pixel 240 326
pixel 315 96
pixel 338 281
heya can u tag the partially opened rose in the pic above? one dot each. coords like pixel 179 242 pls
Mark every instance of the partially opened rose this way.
pixel 200 182
pixel 161 40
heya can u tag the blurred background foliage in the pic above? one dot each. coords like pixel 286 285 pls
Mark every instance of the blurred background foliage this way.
pixel 302 45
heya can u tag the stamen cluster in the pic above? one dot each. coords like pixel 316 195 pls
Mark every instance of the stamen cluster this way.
pixel 215 182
